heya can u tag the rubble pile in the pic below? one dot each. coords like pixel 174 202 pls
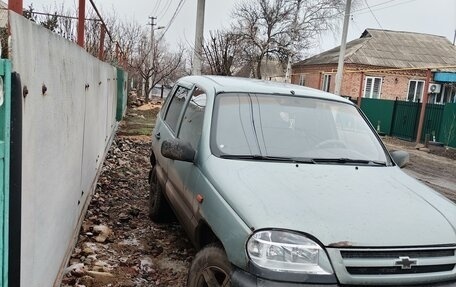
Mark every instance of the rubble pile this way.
pixel 118 245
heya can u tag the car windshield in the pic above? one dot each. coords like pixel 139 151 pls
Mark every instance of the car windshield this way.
pixel 264 126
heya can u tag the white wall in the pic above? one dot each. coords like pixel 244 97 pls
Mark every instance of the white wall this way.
pixel 65 135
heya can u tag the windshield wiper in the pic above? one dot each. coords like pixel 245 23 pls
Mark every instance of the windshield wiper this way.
pixel 343 160
pixel 268 158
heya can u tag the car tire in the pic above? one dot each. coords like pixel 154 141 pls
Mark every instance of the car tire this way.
pixel 159 209
pixel 210 268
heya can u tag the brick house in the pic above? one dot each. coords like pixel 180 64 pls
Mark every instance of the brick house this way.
pixel 386 64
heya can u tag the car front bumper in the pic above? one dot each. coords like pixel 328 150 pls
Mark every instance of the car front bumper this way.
pixel 240 278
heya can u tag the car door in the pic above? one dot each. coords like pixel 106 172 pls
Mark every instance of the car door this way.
pixel 167 126
pixel 181 174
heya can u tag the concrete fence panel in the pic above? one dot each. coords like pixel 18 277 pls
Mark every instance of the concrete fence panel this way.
pixel 69 109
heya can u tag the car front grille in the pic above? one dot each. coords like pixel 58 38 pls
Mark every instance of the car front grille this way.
pixel 397 253
pixel 399 270
pixel 390 266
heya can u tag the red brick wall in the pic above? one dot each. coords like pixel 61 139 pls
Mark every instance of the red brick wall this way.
pixel 394 83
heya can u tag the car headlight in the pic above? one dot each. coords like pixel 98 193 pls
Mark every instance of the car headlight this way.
pixel 285 251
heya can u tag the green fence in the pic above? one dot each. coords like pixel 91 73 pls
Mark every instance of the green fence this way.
pixel 379 113
pixel 121 93
pixel 405 120
pixel 432 122
pixel 400 119
pixel 5 116
pixel 447 133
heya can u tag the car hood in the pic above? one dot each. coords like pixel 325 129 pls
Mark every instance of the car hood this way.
pixel 340 205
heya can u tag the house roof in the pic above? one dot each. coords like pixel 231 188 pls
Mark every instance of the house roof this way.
pixel 395 49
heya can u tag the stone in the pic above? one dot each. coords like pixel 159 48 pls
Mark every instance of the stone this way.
pixel 101 277
pixel 76 270
pixel 103 233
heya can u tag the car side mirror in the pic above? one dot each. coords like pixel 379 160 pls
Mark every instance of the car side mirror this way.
pixel 178 150
pixel 400 157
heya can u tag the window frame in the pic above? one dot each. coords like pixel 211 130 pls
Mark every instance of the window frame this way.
pixel 179 118
pixel 302 79
pixel 414 94
pixel 326 85
pixel 184 110
pixel 373 78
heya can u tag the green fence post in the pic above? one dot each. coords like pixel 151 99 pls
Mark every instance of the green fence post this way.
pixel 5 122
pixel 121 94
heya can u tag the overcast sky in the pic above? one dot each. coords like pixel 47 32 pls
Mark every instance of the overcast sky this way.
pixel 425 16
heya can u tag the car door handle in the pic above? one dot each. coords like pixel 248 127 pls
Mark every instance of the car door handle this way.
pixel 157 136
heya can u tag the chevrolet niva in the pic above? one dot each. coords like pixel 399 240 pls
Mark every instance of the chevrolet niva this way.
pixel 282 185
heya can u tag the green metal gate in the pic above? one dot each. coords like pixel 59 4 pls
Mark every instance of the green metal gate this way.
pixel 5 121
pixel 405 120
pixel 432 122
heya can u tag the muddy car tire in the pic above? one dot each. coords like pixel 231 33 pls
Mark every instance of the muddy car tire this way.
pixel 210 268
pixel 159 209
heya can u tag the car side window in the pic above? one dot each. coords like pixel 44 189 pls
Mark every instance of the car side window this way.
pixel 192 122
pixel 175 107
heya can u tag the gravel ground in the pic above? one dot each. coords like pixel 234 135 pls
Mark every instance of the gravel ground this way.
pixel 118 245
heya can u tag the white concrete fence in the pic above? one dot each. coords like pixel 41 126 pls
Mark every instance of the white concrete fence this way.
pixel 69 119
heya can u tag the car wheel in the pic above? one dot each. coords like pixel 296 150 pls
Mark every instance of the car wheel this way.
pixel 210 268
pixel 159 209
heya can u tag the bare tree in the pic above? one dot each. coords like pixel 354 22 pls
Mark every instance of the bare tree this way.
pixel 221 52
pixel 163 67
pixel 277 28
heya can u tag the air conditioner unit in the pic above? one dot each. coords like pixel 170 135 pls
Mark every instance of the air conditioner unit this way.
pixel 434 88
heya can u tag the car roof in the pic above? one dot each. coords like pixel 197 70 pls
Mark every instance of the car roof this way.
pixel 246 85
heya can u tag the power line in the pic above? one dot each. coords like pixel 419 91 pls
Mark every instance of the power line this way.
pixel 163 11
pixel 176 12
pixel 380 25
pixel 382 8
pixel 157 4
pixel 376 20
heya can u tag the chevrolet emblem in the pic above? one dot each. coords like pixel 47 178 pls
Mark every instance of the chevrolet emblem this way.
pixel 405 262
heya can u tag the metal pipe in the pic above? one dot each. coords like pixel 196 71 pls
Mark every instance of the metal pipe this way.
pixel 360 93
pixel 81 25
pixel 423 106
pixel 102 40
pixel 16 6
pixel 320 80
pixel 101 19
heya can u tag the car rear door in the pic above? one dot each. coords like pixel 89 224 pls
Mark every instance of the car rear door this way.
pixel 167 126
pixel 180 173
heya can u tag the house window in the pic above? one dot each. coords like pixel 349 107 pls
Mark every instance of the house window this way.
pixel 373 87
pixel 326 82
pixel 447 95
pixel 415 91
pixel 302 80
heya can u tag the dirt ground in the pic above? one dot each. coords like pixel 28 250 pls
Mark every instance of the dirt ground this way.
pixel 435 167
pixel 119 246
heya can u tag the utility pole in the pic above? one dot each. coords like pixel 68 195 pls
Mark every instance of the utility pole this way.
pixel 152 52
pixel 198 52
pixel 454 38
pixel 340 65
pixel 293 39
